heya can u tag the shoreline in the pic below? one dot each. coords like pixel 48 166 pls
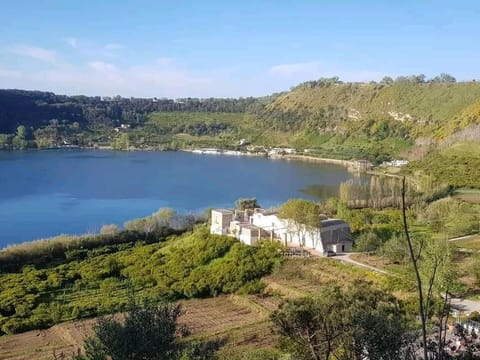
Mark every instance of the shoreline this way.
pixel 211 151
pixel 307 158
pixel 295 157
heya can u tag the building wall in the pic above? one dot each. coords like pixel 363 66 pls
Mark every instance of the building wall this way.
pixel 333 237
pixel 220 222
pixel 248 236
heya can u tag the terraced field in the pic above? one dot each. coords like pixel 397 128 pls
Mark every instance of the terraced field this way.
pixel 242 319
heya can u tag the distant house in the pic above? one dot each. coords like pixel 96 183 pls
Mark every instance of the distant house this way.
pixel 281 151
pixel 362 165
pixel 333 235
pixel 395 163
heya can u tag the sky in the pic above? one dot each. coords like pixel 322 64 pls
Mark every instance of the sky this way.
pixel 215 48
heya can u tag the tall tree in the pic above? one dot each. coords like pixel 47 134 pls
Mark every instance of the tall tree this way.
pixel 303 217
pixel 19 140
pixel 434 272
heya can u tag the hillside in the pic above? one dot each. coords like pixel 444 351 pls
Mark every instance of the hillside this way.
pixel 420 107
pixel 407 118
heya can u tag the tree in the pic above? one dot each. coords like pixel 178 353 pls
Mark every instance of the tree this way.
pixel 418 79
pixel 5 142
pixel 247 203
pixel 434 275
pixel 444 78
pixel 19 141
pixel 311 327
pixel 110 229
pixel 355 323
pixel 164 216
pixel 387 80
pixel 148 332
pixel 302 216
pixel 122 142
pixel 379 327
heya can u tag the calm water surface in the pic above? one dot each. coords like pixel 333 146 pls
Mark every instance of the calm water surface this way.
pixel 46 193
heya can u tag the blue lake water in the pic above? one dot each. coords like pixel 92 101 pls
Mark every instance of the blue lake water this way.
pixel 46 193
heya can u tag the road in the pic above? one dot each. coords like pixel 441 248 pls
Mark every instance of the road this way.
pixel 463 305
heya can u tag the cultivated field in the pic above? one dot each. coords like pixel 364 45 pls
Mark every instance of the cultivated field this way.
pixel 242 319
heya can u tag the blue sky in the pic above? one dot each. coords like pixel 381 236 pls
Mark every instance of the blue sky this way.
pixel 229 48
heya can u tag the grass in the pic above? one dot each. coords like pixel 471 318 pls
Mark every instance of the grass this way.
pixel 300 277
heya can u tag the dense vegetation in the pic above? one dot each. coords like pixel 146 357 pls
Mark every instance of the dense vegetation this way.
pixel 457 165
pixel 349 323
pixel 36 109
pixel 97 281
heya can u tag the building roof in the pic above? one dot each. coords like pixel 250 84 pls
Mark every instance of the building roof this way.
pixel 266 212
pixel 224 211
pixel 333 222
pixel 250 226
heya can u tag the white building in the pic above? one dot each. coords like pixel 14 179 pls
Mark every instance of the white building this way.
pixel 220 221
pixel 333 235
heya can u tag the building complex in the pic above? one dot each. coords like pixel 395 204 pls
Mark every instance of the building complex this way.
pixel 250 226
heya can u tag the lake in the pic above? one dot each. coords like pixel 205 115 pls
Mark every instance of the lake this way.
pixel 46 193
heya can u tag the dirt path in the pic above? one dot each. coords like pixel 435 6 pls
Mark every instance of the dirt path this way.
pixel 346 258
pixel 463 305
pixel 463 237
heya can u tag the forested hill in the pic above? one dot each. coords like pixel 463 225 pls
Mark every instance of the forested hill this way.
pixel 407 106
pixel 36 108
pixel 407 117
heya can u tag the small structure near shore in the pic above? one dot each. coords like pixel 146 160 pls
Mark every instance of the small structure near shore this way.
pixel 361 165
pixel 250 226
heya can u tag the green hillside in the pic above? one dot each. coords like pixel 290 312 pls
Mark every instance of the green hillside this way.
pixel 407 118
pixel 421 108
pixel 457 165
pixel 435 123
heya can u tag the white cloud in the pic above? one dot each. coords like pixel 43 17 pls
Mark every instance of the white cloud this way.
pixel 98 73
pixel 114 46
pixel 71 41
pixel 36 53
pixel 98 77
